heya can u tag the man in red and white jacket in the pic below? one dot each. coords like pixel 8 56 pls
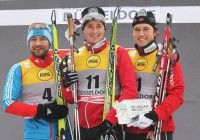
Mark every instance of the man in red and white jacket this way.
pixel 91 65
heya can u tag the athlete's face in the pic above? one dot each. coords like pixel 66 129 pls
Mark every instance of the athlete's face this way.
pixel 39 46
pixel 94 31
pixel 143 34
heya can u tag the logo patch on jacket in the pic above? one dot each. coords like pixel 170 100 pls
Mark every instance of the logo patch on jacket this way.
pixel 141 64
pixel 45 75
pixel 93 61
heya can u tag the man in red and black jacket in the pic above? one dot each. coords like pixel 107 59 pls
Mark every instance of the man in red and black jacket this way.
pixel 143 57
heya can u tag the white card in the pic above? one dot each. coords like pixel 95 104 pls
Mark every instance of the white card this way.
pixel 128 109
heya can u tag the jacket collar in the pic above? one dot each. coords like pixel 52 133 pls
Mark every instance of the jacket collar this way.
pixel 149 48
pixel 98 47
pixel 42 63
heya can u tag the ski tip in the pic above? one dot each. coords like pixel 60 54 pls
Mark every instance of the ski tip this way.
pixel 53 16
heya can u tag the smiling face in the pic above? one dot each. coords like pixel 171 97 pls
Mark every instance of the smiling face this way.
pixel 39 46
pixel 143 34
pixel 94 31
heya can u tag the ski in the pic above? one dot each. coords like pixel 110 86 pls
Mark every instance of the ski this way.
pixel 62 133
pixel 110 82
pixel 71 66
pixel 164 69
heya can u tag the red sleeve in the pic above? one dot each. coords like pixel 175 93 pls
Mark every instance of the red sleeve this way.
pixel 21 109
pixel 127 80
pixel 127 76
pixel 175 94
pixel 67 94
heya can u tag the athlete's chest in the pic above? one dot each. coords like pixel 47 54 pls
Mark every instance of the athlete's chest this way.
pixel 146 77
pixel 87 61
pixel 38 83
pixel 143 63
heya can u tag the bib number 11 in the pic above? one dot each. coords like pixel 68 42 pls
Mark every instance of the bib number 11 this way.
pixel 94 79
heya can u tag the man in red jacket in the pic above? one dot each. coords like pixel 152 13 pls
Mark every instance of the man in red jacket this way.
pixel 143 57
pixel 91 64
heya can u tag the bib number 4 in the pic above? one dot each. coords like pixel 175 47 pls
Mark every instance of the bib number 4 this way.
pixel 47 94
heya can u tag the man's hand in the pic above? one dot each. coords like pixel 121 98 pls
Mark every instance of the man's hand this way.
pixel 69 78
pixel 143 120
pixel 110 131
pixel 51 111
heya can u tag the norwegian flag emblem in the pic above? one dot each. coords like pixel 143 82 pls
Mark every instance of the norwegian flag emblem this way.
pixel 141 19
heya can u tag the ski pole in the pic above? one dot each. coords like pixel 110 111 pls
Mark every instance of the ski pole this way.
pixel 74 86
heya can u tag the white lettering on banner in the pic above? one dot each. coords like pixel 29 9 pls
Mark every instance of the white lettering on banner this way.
pixel 125 15
pixel 28 16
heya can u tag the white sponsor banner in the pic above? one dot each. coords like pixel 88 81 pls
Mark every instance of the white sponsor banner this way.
pixel 181 14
